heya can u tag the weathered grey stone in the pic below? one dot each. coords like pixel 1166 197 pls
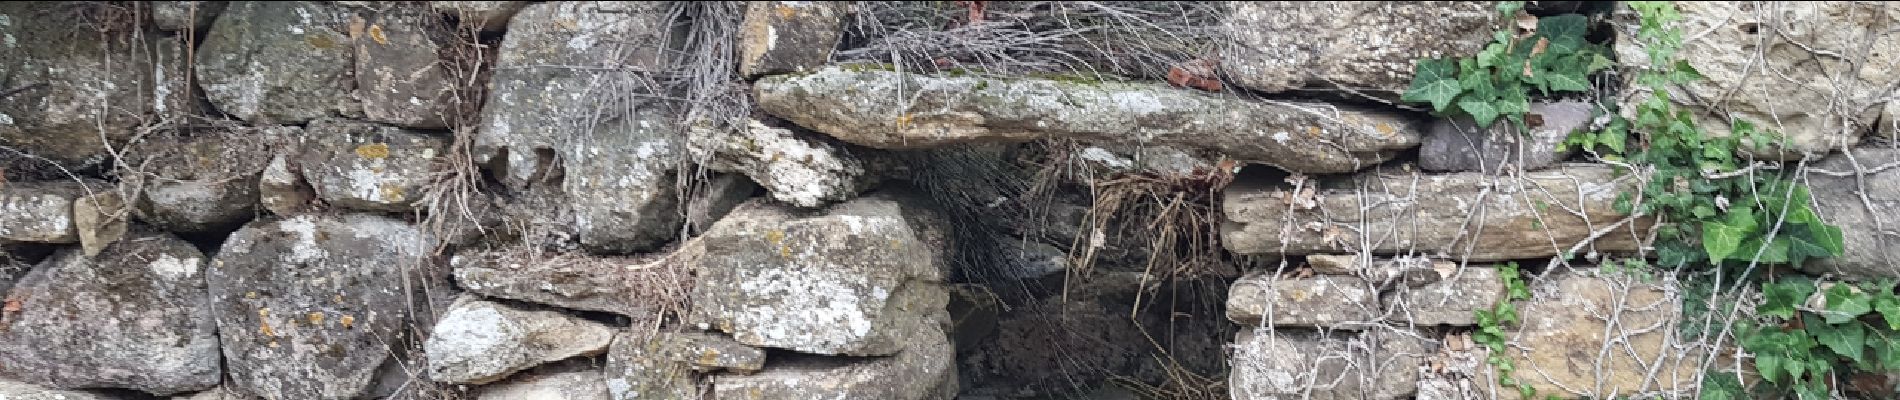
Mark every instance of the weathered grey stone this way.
pixel 489 15
pixel 367 166
pixel 632 286
pixel 1588 333
pixel 925 369
pixel 11 270
pixel 135 317
pixel 1034 259
pixel 1451 216
pixel 1335 264
pixel 182 15
pixel 1163 161
pixel 796 169
pixel 217 393
pixel 567 384
pixel 400 77
pixel 708 352
pixel 711 202
pixel 848 281
pixel 777 37
pixel 554 122
pixel 481 341
pixel 1375 365
pixel 855 106
pixel 309 306
pixel 1460 145
pixel 281 187
pixel 1330 301
pixel 273 62
pixel 200 183
pixel 1779 67
pixel 639 367
pixel 42 212
pixel 1455 300
pixel 1871 252
pixel 76 90
pixel 1367 46
pixel 11 390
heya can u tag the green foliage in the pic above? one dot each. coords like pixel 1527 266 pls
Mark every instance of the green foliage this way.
pixel 1497 81
pixel 1491 324
pixel 1846 329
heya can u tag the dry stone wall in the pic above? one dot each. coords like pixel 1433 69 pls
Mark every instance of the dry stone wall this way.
pixel 532 200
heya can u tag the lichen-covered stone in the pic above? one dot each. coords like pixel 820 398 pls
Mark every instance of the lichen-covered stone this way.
pixel 75 89
pixel 1780 67
pixel 310 306
pixel 134 317
pixel 42 212
pixel 564 116
pixel 201 183
pixel 367 166
pixel 1463 216
pixel 400 77
pixel 182 15
pixel 479 341
pixel 1455 300
pixel 1871 252
pixel 1162 161
pixel 489 15
pixel 850 280
pixel 707 352
pixel 639 367
pixel 1329 301
pixel 558 384
pixel 630 286
pixel 11 390
pixel 217 393
pixel 1381 364
pixel 1368 46
pixel 796 169
pixel 1460 145
pixel 271 62
pixel 789 36
pixel 925 369
pixel 717 197
pixel 855 106
pixel 1590 333
pixel 281 187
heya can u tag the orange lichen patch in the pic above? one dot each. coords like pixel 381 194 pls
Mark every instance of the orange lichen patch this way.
pixel 347 321
pixel 709 357
pixel 373 151
pixel 1385 129
pixel 903 121
pixel 775 236
pixel 376 33
pixel 391 193
pixel 567 24
pixel 787 12
pixel 320 41
pixel 1313 131
pixel 316 318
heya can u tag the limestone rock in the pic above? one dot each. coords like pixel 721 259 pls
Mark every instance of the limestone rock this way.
pixel 481 341
pixel 202 183
pixel 552 129
pixel 182 15
pixel 788 36
pixel 639 366
pixel 308 306
pixel 1367 46
pixel 491 16
pixel 568 384
pixel 707 352
pixel 134 317
pixel 855 106
pixel 1163 161
pixel 850 280
pixel 11 390
pixel 1375 365
pixel 1777 66
pixel 1330 301
pixel 1870 253
pixel 11 270
pixel 711 202
pixel 400 78
pixel 1452 301
pixel 1334 264
pixel 368 166
pixel 281 187
pixel 925 369
pixel 795 168
pixel 1450 216
pixel 217 393
pixel 1460 145
pixel 76 89
pixel 632 286
pixel 1569 347
pixel 279 62
pixel 42 212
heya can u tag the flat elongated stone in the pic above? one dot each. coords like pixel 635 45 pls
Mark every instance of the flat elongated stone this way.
pixel 1452 301
pixel 1330 301
pixel 1869 251
pixel 481 341
pixel 1452 216
pixel 855 106
pixel 1297 364
pixel 1369 46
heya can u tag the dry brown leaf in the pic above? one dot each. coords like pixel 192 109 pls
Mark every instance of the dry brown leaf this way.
pixel 13 306
pixel 1539 48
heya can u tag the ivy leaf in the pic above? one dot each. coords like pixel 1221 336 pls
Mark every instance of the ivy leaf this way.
pixel 1480 110
pixel 1682 72
pixel 1512 102
pixel 1844 304
pixel 1780 298
pixel 1846 340
pixel 1564 31
pixel 1769 365
pixel 1598 62
pixel 1888 306
pixel 1721 240
pixel 1434 81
